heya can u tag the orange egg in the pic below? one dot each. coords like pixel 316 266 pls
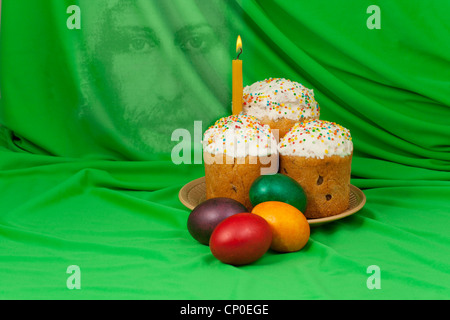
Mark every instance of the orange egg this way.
pixel 290 228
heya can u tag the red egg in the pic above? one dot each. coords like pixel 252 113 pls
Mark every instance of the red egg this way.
pixel 241 239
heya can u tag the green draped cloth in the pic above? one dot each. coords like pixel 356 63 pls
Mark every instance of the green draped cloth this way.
pixel 92 92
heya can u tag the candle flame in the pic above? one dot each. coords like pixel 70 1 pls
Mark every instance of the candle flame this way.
pixel 239 46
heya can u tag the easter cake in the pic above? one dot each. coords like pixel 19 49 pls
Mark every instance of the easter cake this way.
pixel 237 149
pixel 318 154
pixel 280 103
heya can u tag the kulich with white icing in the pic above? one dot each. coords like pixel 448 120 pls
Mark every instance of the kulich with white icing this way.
pixel 239 136
pixel 316 139
pixel 277 98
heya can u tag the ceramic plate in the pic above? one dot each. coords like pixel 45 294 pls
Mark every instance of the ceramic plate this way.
pixel 194 193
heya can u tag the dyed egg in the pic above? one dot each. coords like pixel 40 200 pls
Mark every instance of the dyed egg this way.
pixel 241 239
pixel 290 228
pixel 278 187
pixel 208 214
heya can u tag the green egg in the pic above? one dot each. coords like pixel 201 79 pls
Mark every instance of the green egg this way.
pixel 278 187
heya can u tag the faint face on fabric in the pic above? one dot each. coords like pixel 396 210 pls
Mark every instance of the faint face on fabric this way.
pixel 160 65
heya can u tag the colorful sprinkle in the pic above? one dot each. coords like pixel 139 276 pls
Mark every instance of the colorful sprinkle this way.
pixel 273 98
pixel 239 136
pixel 320 138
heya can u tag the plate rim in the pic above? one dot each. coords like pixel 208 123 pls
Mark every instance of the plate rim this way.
pixel 312 222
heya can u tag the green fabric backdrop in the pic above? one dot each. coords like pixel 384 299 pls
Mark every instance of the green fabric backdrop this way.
pixel 86 115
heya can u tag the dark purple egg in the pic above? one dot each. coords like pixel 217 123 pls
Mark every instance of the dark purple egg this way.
pixel 207 215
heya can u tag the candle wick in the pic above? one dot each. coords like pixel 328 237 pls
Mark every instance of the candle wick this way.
pixel 240 51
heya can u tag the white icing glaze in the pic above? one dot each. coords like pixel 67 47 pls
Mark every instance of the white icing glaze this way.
pixel 240 136
pixel 278 98
pixel 316 139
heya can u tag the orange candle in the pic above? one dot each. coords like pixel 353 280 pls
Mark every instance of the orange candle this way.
pixel 238 86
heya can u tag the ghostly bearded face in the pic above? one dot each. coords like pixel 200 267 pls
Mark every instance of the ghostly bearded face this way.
pixel 156 66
